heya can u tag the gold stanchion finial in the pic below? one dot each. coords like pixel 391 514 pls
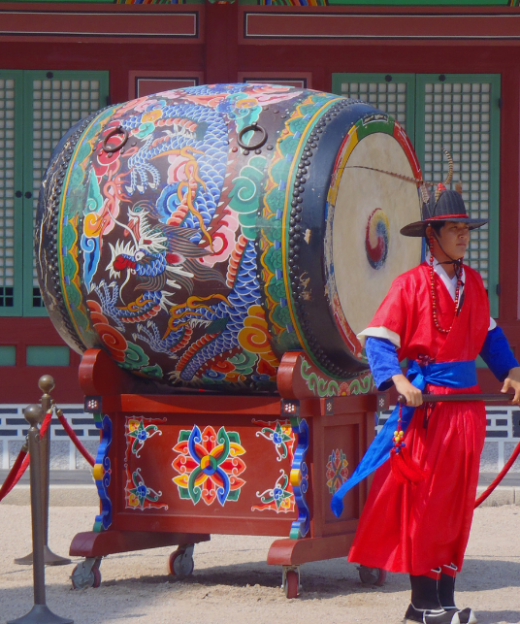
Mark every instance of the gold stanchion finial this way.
pixel 46 384
pixel 34 415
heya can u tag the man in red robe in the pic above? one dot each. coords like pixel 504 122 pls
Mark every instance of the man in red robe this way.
pixel 418 514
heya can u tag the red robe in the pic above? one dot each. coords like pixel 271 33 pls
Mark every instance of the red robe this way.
pixel 414 528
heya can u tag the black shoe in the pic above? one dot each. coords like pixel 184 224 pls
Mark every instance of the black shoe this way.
pixel 466 616
pixel 431 616
pixel 447 596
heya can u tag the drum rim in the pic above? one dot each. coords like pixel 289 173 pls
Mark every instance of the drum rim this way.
pixel 388 125
pixel 313 321
pixel 47 245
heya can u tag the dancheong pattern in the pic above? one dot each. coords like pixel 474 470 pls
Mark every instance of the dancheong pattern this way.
pixel 102 472
pixel 337 470
pixel 137 430
pixel 209 465
pixel 281 435
pixel 279 497
pixel 170 236
pixel 138 494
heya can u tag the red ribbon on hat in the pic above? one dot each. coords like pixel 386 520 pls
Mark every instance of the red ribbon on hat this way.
pixel 448 217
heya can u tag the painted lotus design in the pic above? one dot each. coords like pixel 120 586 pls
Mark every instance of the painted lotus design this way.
pixel 209 465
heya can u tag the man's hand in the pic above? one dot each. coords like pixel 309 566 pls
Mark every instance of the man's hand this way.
pixel 413 395
pixel 513 381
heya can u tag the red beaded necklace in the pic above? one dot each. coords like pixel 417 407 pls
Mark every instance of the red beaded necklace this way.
pixel 434 296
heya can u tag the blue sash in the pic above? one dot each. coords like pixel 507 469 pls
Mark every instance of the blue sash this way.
pixel 448 374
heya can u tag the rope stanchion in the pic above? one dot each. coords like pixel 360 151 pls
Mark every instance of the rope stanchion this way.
pixel 74 438
pixel 499 477
pixel 40 613
pixel 22 462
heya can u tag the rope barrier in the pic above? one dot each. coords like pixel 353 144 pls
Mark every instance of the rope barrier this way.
pixel 22 461
pixel 499 477
pixel 12 477
pixel 74 438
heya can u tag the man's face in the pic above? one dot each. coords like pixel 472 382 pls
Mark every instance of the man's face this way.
pixel 454 238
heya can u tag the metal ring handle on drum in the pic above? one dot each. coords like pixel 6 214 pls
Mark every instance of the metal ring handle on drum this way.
pixel 256 128
pixel 113 132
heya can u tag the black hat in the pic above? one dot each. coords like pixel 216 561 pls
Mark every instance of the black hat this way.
pixel 442 206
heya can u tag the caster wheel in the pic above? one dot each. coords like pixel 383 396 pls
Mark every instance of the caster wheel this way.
pixel 372 576
pixel 180 563
pixel 86 574
pixel 290 585
pixel 97 578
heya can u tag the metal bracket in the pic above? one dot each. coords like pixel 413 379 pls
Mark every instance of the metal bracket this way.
pixel 115 148
pixel 290 408
pixel 93 404
pixel 255 128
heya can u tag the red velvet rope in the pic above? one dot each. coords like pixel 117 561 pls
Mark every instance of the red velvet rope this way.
pixel 74 438
pixel 499 477
pixel 12 477
pixel 21 462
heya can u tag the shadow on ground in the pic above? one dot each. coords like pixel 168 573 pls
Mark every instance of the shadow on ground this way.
pixel 331 578
pixel 323 583
pixel 492 617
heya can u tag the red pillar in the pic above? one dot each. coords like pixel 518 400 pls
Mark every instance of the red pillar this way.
pixel 221 26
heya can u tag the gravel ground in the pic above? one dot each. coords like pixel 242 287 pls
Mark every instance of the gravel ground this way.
pixel 232 583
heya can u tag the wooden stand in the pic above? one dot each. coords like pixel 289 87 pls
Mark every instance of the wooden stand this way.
pixel 173 468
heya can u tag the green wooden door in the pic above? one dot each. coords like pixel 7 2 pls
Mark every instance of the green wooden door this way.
pixel 461 113
pixel 11 178
pixel 457 113
pixel 36 109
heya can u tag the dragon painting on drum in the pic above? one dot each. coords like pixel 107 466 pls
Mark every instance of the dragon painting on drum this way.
pixel 199 234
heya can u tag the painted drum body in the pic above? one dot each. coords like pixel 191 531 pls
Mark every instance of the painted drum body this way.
pixel 200 233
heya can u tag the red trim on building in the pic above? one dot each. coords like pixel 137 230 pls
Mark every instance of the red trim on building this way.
pixel 143 82
pixel 92 23
pixel 395 26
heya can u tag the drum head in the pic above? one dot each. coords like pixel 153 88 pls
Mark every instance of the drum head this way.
pixel 368 208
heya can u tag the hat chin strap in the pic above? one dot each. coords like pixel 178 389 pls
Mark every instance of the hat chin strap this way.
pixel 457 264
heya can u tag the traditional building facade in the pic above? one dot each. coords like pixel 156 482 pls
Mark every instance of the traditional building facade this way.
pixel 449 71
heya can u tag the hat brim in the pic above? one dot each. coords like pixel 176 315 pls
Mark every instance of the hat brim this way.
pixel 419 227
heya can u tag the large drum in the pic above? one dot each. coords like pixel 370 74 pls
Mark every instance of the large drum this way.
pixel 199 234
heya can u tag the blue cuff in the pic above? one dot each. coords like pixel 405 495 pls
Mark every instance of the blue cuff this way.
pixel 497 354
pixel 383 361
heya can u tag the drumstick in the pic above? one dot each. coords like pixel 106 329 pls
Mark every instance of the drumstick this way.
pixel 437 398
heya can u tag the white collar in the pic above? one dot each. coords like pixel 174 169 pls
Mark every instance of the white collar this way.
pixel 449 282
